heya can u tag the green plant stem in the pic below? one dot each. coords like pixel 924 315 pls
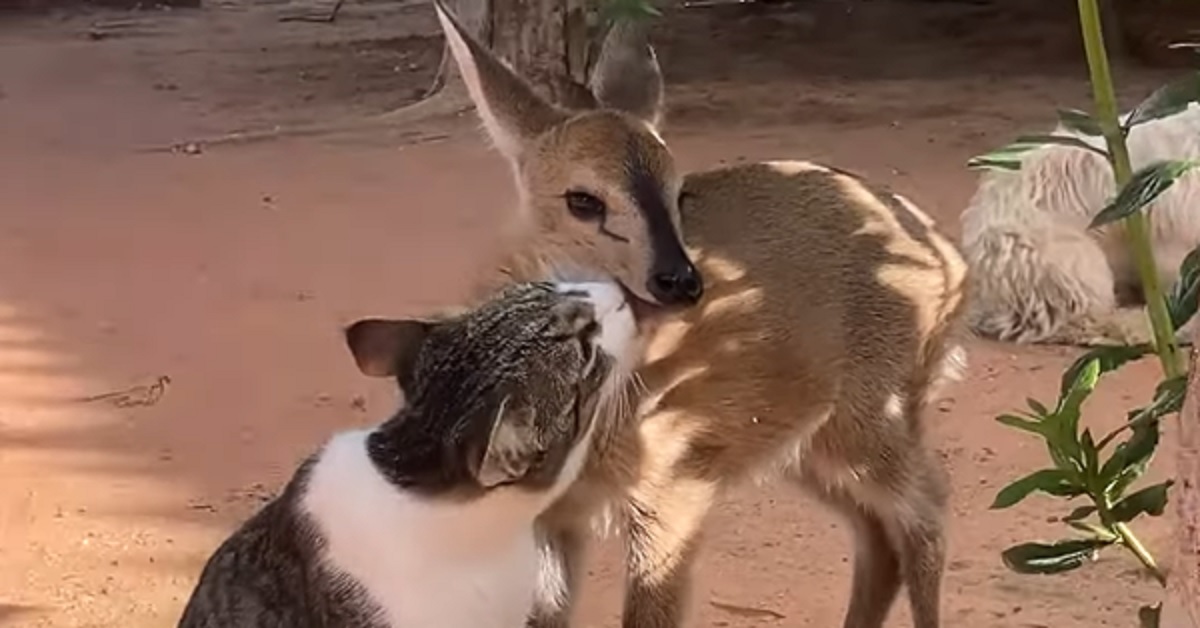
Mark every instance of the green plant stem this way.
pixel 1126 536
pixel 1136 225
pixel 1130 540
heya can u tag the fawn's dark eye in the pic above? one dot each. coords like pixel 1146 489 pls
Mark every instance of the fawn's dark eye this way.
pixel 584 206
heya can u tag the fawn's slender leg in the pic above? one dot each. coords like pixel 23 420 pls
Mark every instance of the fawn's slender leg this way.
pixel 894 493
pixel 906 499
pixel 876 576
pixel 917 528
pixel 665 513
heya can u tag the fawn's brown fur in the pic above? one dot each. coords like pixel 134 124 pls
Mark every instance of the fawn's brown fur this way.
pixel 829 314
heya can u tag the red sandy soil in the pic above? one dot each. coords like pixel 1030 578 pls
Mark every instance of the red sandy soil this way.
pixel 230 272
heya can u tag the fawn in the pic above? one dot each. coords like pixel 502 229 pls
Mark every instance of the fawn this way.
pixel 824 315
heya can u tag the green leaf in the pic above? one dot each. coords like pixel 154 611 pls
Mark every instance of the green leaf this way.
pixel 1091 454
pixel 1151 500
pixel 1037 407
pixel 993 161
pixel 1080 379
pixel 1041 558
pixel 1167 100
pixel 1168 399
pixel 1064 450
pixel 1174 388
pixel 1053 481
pixel 1146 185
pixel 1060 140
pixel 1080 122
pixel 1128 462
pixel 1081 512
pixel 1063 431
pixel 1005 158
pixel 1011 420
pixel 1184 296
pixel 1109 358
pixel 1150 616
pixel 1009 157
pixel 1169 396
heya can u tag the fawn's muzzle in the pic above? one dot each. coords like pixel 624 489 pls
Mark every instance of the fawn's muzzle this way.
pixel 679 285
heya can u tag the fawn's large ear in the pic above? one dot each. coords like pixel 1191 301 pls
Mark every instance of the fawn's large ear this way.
pixel 511 447
pixel 627 76
pixel 387 348
pixel 512 112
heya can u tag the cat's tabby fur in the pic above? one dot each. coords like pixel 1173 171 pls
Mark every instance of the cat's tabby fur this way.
pixel 426 521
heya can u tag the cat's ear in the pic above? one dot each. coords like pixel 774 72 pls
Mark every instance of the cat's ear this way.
pixel 511 446
pixel 387 348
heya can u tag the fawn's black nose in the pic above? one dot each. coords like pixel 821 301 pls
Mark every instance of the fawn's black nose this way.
pixel 681 285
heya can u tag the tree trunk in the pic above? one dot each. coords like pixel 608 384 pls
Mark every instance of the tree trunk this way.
pixel 1183 605
pixel 546 41
pixel 46 5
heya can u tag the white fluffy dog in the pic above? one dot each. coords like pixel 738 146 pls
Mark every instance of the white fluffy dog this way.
pixel 1040 275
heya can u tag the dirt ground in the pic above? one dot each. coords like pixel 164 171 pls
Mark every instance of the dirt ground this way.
pixel 218 281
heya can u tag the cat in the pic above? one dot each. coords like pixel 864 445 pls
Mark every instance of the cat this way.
pixel 427 520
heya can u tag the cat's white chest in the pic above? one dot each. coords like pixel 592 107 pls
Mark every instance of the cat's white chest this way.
pixel 425 566
pixel 493 593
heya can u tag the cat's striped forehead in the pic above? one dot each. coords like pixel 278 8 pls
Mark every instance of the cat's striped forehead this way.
pixel 522 313
pixel 524 337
